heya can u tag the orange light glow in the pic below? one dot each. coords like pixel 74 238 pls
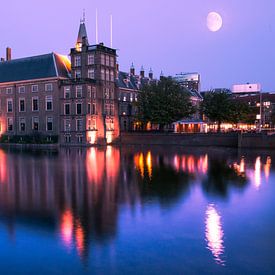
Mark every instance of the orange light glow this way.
pixel 191 164
pixel 149 164
pixel 92 137
pixel 3 167
pixel 112 163
pixel 95 162
pixel 176 163
pixel 267 168
pixel 214 234
pixel 109 137
pixel 139 163
pixel 66 228
pixel 79 238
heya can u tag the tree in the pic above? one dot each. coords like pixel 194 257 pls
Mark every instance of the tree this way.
pixel 163 103
pixel 222 107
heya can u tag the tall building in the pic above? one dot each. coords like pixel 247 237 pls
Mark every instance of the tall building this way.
pixel 191 81
pixel 52 98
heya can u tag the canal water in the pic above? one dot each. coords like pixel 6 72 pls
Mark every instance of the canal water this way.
pixel 137 210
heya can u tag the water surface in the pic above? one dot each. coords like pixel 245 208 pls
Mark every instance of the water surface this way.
pixel 137 210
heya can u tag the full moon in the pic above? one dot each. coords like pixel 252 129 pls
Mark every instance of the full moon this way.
pixel 214 21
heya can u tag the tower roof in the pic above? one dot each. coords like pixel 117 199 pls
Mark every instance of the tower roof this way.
pixel 82 33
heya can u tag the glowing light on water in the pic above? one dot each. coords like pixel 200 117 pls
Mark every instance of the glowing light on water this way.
pixel 257 173
pixel 66 228
pixel 267 168
pixel 214 234
pixel 149 164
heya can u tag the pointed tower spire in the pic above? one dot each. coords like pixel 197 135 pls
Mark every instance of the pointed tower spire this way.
pixel 82 38
pixel 132 69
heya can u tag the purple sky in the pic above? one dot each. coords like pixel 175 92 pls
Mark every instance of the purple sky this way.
pixel 166 35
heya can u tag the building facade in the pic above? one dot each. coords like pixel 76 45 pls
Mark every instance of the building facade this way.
pixel 51 97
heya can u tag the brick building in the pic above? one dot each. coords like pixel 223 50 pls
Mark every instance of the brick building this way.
pixel 51 97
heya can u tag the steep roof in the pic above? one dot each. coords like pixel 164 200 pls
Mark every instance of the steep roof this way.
pixel 82 33
pixel 35 67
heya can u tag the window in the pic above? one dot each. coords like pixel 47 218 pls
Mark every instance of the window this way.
pixel 94 109
pixel 67 124
pixel 89 91
pixel 34 88
pixel 35 123
pixel 112 76
pixel 22 105
pixel 21 89
pixel 112 61
pixel 67 108
pixel 77 61
pixel 111 93
pixel 79 125
pixel 77 74
pixel 107 93
pixel 10 124
pixel 35 104
pixel 89 108
pixel 22 124
pixel 49 124
pixel 9 90
pixel 91 59
pixel 92 124
pixel 78 91
pixel 102 59
pixel 112 109
pixel 78 108
pixel 107 60
pixel 49 103
pixel 107 75
pixel 48 87
pixel 94 92
pixel 67 139
pixel 102 74
pixel 109 124
pixel 67 92
pixel 107 109
pixel 9 105
pixel 79 139
pixel 91 73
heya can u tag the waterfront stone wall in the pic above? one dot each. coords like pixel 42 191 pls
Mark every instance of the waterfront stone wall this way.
pixel 198 139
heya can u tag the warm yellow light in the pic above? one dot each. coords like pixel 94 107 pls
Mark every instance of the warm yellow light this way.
pixel 109 137
pixel 257 175
pixel 149 164
pixel 92 137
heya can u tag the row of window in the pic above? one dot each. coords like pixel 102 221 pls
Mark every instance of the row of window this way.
pixel 128 97
pixel 35 104
pixel 107 74
pixel 104 60
pixel 34 88
pixel 79 125
pixel 34 125
pixel 91 109
pixel 79 92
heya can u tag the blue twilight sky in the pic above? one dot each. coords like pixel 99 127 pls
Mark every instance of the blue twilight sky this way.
pixel 166 35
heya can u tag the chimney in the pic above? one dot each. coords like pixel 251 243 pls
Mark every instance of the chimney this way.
pixel 8 54
pixel 151 73
pixel 132 69
pixel 142 72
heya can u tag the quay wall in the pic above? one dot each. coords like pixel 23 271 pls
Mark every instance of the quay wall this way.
pixel 252 141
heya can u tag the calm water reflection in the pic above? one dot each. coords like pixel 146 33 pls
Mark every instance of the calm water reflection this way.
pixel 137 211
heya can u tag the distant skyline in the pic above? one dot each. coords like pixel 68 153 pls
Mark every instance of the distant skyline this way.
pixel 166 35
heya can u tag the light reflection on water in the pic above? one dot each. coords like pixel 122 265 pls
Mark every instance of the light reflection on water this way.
pixel 214 233
pixel 81 193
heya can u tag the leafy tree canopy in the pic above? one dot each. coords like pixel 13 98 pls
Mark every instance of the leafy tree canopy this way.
pixel 163 103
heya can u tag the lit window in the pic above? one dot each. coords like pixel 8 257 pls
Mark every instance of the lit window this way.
pixel 67 125
pixel 67 92
pixel 48 87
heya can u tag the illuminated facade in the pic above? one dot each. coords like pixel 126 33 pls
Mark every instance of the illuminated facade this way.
pixel 53 99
